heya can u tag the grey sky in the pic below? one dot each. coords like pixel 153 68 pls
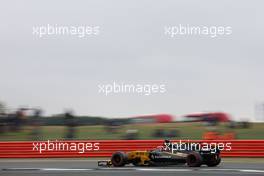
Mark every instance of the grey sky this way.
pixel 200 73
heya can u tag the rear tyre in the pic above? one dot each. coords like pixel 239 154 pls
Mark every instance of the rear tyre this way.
pixel 213 161
pixel 194 160
pixel 119 159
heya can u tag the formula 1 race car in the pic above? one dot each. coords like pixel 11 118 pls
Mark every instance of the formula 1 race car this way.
pixel 164 157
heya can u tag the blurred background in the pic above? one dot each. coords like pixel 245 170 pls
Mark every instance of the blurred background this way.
pixel 30 124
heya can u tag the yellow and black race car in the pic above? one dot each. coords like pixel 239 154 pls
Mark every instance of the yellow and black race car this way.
pixel 164 157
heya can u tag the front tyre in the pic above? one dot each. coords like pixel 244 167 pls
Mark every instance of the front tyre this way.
pixel 119 159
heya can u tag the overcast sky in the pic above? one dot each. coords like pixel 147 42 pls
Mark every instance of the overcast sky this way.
pixel 200 73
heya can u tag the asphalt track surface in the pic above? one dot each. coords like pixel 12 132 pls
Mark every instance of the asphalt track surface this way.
pixel 70 167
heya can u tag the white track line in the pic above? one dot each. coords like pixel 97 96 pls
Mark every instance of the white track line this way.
pixel 163 170
pixel 186 170
pixel 116 168
pixel 28 168
pixel 64 169
pixel 249 170
pixel 240 170
pixel 219 169
pixel 135 169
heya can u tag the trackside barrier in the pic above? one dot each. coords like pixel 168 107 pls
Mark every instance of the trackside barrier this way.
pixel 25 149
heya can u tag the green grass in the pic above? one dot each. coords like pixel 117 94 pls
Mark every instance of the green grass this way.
pixel 186 130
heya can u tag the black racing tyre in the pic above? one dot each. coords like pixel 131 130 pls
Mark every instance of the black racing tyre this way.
pixel 119 159
pixel 194 159
pixel 213 161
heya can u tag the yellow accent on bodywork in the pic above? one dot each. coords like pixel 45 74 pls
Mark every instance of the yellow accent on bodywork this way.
pixel 142 156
